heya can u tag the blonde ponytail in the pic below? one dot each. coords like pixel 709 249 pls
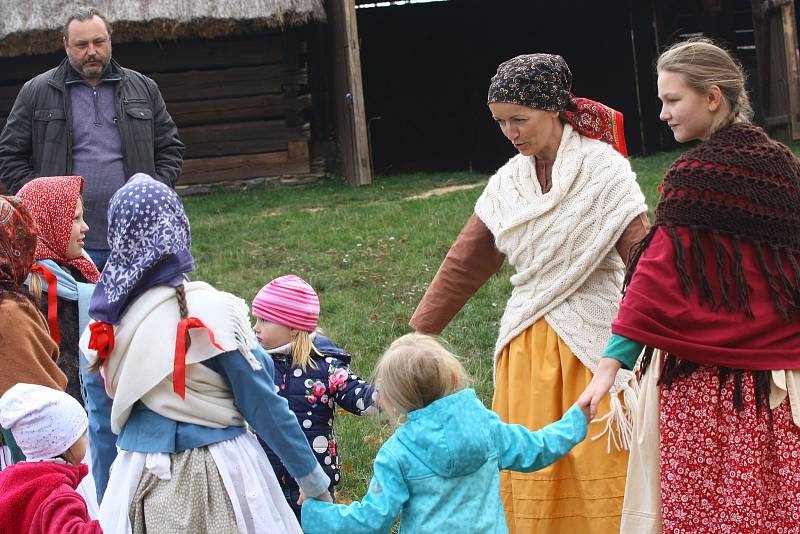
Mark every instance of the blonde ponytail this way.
pixel 302 347
pixel 35 288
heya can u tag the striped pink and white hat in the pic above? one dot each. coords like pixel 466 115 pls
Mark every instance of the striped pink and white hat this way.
pixel 289 301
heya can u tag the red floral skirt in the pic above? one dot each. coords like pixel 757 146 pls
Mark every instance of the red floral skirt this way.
pixel 723 471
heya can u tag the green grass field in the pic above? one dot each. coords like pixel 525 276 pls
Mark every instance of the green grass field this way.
pixel 370 253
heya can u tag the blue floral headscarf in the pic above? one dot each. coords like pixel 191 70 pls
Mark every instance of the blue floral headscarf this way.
pixel 150 240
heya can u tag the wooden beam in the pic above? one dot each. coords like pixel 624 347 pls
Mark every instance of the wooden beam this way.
pixel 251 137
pixel 258 107
pixel 298 150
pixel 184 54
pixel 241 167
pixel 226 83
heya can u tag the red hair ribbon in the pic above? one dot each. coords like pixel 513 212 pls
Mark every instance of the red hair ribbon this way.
pixel 179 365
pixel 52 300
pixel 102 338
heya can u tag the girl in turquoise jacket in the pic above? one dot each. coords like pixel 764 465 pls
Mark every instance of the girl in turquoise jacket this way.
pixel 440 469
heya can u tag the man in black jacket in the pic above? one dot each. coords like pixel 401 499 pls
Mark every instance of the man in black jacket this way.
pixel 90 117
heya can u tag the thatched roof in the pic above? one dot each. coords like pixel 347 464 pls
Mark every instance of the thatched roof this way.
pixel 34 27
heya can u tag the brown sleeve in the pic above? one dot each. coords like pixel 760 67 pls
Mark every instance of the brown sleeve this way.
pixel 27 351
pixel 635 232
pixel 471 261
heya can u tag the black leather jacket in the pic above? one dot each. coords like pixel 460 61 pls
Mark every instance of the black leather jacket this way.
pixel 37 139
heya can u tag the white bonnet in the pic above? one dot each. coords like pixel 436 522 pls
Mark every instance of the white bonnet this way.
pixel 45 422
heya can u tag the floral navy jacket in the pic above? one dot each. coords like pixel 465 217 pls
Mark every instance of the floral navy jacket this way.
pixel 312 396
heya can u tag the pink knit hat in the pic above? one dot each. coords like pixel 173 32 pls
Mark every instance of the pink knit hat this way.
pixel 289 301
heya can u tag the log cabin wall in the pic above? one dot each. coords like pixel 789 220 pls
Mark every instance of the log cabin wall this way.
pixel 242 103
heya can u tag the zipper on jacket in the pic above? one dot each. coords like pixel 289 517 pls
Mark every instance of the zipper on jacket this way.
pixel 97 121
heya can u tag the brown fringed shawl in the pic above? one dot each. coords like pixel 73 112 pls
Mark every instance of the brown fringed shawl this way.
pixel 717 279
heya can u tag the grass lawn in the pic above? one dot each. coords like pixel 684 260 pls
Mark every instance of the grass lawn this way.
pixel 370 253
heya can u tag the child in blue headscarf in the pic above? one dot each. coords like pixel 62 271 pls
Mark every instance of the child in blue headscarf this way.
pixel 182 365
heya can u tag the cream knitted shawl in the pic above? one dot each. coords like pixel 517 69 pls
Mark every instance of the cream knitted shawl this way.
pixel 561 245
pixel 140 366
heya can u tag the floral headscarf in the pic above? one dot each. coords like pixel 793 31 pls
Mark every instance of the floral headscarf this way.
pixel 17 242
pixel 150 240
pixel 544 81
pixel 52 202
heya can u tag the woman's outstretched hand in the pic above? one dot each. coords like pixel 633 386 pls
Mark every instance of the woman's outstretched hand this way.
pixel 598 388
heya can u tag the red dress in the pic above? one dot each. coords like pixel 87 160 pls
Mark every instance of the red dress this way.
pixel 723 470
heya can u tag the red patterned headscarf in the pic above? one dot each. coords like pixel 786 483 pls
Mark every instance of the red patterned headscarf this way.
pixel 544 81
pixel 17 242
pixel 52 201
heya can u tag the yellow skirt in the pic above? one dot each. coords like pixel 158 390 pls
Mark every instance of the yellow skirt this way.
pixel 537 379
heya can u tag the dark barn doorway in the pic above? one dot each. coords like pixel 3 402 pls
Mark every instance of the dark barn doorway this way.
pixel 427 67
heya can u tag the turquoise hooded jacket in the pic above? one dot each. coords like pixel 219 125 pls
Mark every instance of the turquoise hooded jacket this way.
pixel 441 471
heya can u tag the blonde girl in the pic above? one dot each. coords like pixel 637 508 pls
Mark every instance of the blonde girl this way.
pixel 713 294
pixel 441 468
pixel 311 373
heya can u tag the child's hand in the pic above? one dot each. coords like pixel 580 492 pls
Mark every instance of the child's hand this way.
pixel 325 497
pixel 598 388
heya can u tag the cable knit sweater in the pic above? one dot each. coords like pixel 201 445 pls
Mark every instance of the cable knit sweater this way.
pixel 561 245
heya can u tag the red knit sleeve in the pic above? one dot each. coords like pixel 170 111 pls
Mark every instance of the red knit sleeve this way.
pixel 64 512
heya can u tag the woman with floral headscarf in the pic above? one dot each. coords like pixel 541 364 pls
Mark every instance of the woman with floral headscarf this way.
pixel 27 352
pixel 182 364
pixel 67 275
pixel 565 212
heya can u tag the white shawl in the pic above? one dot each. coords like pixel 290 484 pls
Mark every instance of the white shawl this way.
pixel 562 246
pixel 141 364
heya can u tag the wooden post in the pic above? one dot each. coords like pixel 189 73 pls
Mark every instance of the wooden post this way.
pixel 348 93
pixel 778 71
pixel 643 17
pixel 792 74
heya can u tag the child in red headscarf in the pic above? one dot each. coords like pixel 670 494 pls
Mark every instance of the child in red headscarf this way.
pixel 68 276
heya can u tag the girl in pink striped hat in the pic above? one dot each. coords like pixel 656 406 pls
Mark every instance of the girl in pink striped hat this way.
pixel 311 373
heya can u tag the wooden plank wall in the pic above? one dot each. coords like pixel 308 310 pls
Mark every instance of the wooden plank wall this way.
pixel 241 103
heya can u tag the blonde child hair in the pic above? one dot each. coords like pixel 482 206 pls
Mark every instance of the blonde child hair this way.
pixel 703 63
pixel 302 349
pixel 415 371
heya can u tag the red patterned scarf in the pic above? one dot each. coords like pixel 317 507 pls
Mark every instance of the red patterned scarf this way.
pixel 52 202
pixel 544 81
pixel 17 242
pixel 598 121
